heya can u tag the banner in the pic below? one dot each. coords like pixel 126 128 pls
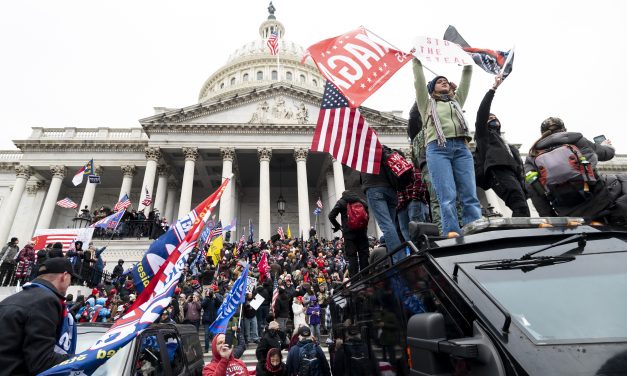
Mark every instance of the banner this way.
pixel 94 179
pixel 147 308
pixel 251 284
pixel 65 236
pixel 356 63
pixel 232 300
pixel 162 247
pixel 434 50
pixel 215 248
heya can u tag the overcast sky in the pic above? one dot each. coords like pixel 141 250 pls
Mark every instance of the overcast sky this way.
pixel 90 64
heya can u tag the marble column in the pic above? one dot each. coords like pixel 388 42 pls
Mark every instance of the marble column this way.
pixel 128 171
pixel 300 154
pixel 153 154
pixel 226 213
pixel 185 204
pixel 169 206
pixel 90 191
pixel 332 197
pixel 58 173
pixel 265 225
pixel 338 178
pixel 22 174
pixel 163 171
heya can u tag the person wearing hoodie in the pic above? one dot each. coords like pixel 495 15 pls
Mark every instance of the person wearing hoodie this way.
pixel 272 338
pixel 222 362
pixel 273 366
pixel 355 241
pixel 313 312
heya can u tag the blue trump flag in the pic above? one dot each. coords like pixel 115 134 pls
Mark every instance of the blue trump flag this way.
pixel 232 300
pixel 111 221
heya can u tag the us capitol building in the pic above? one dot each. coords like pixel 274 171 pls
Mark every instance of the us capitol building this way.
pixel 253 119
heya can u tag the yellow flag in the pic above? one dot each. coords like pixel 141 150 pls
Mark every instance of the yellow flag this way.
pixel 289 232
pixel 215 248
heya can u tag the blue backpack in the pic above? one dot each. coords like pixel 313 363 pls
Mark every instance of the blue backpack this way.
pixel 309 364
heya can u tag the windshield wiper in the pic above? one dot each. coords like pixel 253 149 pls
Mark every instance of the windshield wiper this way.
pixel 527 262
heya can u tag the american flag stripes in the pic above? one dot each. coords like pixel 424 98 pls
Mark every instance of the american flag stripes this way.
pixel 124 203
pixel 273 43
pixel 148 200
pixel 319 203
pixel 281 233
pixel 67 203
pixel 216 231
pixel 345 134
pixel 67 237
pixel 275 293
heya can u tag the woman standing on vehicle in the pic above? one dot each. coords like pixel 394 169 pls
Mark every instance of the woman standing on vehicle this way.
pixel 223 363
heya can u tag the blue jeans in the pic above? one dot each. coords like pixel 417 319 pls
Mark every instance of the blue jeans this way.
pixel 415 211
pixel 382 202
pixel 315 331
pixel 452 172
pixel 250 329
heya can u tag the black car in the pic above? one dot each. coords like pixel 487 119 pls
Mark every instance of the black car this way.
pixel 162 349
pixel 539 296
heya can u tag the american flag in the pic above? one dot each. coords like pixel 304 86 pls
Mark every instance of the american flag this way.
pixel 148 200
pixel 67 237
pixel 344 133
pixel 281 233
pixel 216 231
pixel 111 221
pixel 275 293
pixel 124 203
pixel 67 203
pixel 319 203
pixel 273 43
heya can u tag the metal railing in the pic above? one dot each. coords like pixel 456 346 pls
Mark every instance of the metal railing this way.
pixel 88 274
pixel 137 229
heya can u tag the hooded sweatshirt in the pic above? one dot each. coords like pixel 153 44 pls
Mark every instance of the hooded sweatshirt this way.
pixel 220 366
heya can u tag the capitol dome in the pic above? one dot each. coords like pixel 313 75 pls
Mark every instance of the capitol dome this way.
pixel 252 66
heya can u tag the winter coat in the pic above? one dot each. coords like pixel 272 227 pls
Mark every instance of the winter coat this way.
pixel 314 314
pixel 9 252
pixel 220 366
pixel 210 305
pixel 282 308
pixel 293 358
pixel 31 319
pixel 299 315
pixel 340 208
pixel 192 311
pixel 271 339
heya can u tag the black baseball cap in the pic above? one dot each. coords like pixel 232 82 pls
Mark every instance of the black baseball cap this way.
pixel 304 331
pixel 57 265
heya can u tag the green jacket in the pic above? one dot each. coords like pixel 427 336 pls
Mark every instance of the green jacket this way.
pixel 451 125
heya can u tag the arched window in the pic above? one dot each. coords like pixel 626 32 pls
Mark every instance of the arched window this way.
pixel 259 75
pixel 275 75
pixel 302 78
pixel 232 81
pixel 288 76
pixel 315 83
pixel 245 77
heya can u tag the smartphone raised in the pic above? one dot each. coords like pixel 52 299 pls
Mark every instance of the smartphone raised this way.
pixel 599 139
pixel 228 338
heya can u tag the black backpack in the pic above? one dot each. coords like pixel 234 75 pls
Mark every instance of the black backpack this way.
pixel 398 171
pixel 309 364
pixel 357 359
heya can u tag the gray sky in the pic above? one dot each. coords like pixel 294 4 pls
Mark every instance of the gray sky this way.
pixel 90 64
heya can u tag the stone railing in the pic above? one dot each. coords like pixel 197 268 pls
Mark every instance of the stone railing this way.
pixel 88 133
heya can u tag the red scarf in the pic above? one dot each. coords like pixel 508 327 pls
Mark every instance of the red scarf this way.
pixel 269 365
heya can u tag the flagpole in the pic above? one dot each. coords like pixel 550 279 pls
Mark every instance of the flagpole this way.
pixel 239 323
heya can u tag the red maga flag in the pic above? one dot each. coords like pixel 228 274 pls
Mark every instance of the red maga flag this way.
pixel 263 267
pixel 342 132
pixel 356 63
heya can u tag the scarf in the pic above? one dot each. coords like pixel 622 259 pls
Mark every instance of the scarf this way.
pixel 269 365
pixel 433 113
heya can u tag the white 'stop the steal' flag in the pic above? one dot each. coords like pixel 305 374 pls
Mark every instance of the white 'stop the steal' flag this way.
pixel 434 50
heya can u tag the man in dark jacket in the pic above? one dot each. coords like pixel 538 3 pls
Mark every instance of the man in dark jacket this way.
pixel 210 305
pixel 33 320
pixel 273 338
pixel 304 347
pixel 499 165
pixel 8 262
pixel 600 202
pixel 283 308
pixel 355 242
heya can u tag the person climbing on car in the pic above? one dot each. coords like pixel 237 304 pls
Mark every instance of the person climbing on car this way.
pixel 499 166
pixel 223 363
pixel 563 180
pixel 354 231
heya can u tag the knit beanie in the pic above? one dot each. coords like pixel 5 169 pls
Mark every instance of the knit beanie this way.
pixel 431 84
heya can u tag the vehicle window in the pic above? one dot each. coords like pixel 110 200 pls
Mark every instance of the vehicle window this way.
pixel 191 347
pixel 574 302
pixel 149 362
pixel 175 353
pixel 113 366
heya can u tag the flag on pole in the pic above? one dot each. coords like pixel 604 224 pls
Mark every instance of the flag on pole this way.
pixel 87 169
pixel 67 203
pixel 147 307
pixel 147 200
pixel 366 63
pixel 251 231
pixel 289 232
pixel 111 221
pixel 66 236
pixel 216 231
pixel 263 267
pixel 229 306
pixel 273 43
pixel 214 249
pixel 319 203
pixel 317 211
pixel 279 231
pixel 342 132
pixel 275 293
pixel 491 61
pixel 124 203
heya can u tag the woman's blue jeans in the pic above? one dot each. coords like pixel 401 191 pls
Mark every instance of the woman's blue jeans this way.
pixel 452 172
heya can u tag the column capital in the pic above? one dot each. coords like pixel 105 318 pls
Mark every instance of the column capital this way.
pixel 191 153
pixel 23 171
pixel 163 170
pixel 300 154
pixel 228 154
pixel 128 170
pixel 58 171
pixel 153 153
pixel 264 153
